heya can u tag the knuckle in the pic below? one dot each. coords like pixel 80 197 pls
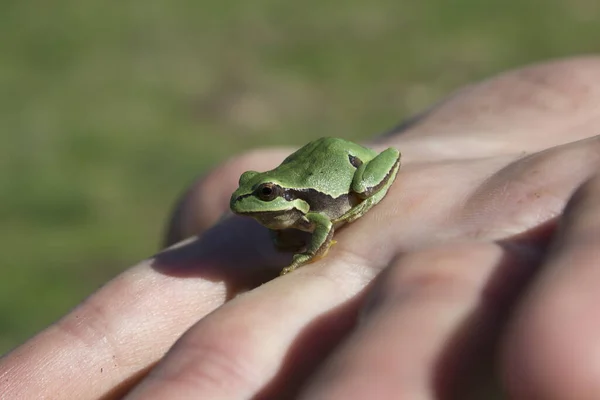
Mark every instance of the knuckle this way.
pixel 441 273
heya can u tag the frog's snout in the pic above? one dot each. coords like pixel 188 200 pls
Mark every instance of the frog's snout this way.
pixel 233 201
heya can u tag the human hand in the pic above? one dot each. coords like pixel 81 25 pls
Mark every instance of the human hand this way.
pixel 470 268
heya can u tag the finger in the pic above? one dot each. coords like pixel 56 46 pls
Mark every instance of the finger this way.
pixel 501 199
pixel 526 193
pixel 552 349
pixel 264 343
pixel 431 321
pixel 110 341
pixel 531 108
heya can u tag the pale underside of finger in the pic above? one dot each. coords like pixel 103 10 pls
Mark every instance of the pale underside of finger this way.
pixel 523 110
pixel 110 340
pixel 552 349
pixel 432 321
pixel 265 342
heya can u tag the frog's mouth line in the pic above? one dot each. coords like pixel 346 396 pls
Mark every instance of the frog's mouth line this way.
pixel 261 214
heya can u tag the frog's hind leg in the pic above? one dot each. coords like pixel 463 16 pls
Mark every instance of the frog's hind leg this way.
pixel 371 182
pixel 361 208
pixel 373 176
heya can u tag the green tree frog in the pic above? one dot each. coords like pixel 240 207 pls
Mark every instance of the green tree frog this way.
pixel 320 187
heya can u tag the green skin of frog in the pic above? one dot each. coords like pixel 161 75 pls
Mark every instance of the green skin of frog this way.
pixel 323 185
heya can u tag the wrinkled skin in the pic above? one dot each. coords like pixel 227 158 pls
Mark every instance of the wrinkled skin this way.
pixel 477 274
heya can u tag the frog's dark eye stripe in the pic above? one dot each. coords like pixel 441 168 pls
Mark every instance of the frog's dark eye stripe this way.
pixel 289 195
pixel 355 161
pixel 268 191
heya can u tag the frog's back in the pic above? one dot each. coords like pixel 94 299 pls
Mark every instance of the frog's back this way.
pixel 325 164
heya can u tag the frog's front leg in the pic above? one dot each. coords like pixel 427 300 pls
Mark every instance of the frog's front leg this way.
pixel 321 240
pixel 372 181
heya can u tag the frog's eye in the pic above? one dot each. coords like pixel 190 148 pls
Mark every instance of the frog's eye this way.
pixel 268 191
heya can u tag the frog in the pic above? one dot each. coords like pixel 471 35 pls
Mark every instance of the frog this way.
pixel 324 185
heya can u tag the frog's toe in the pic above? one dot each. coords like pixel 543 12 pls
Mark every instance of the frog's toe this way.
pixel 287 270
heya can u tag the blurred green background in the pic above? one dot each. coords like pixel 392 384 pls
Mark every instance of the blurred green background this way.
pixel 109 109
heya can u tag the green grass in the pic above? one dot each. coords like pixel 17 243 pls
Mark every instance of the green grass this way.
pixel 108 109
